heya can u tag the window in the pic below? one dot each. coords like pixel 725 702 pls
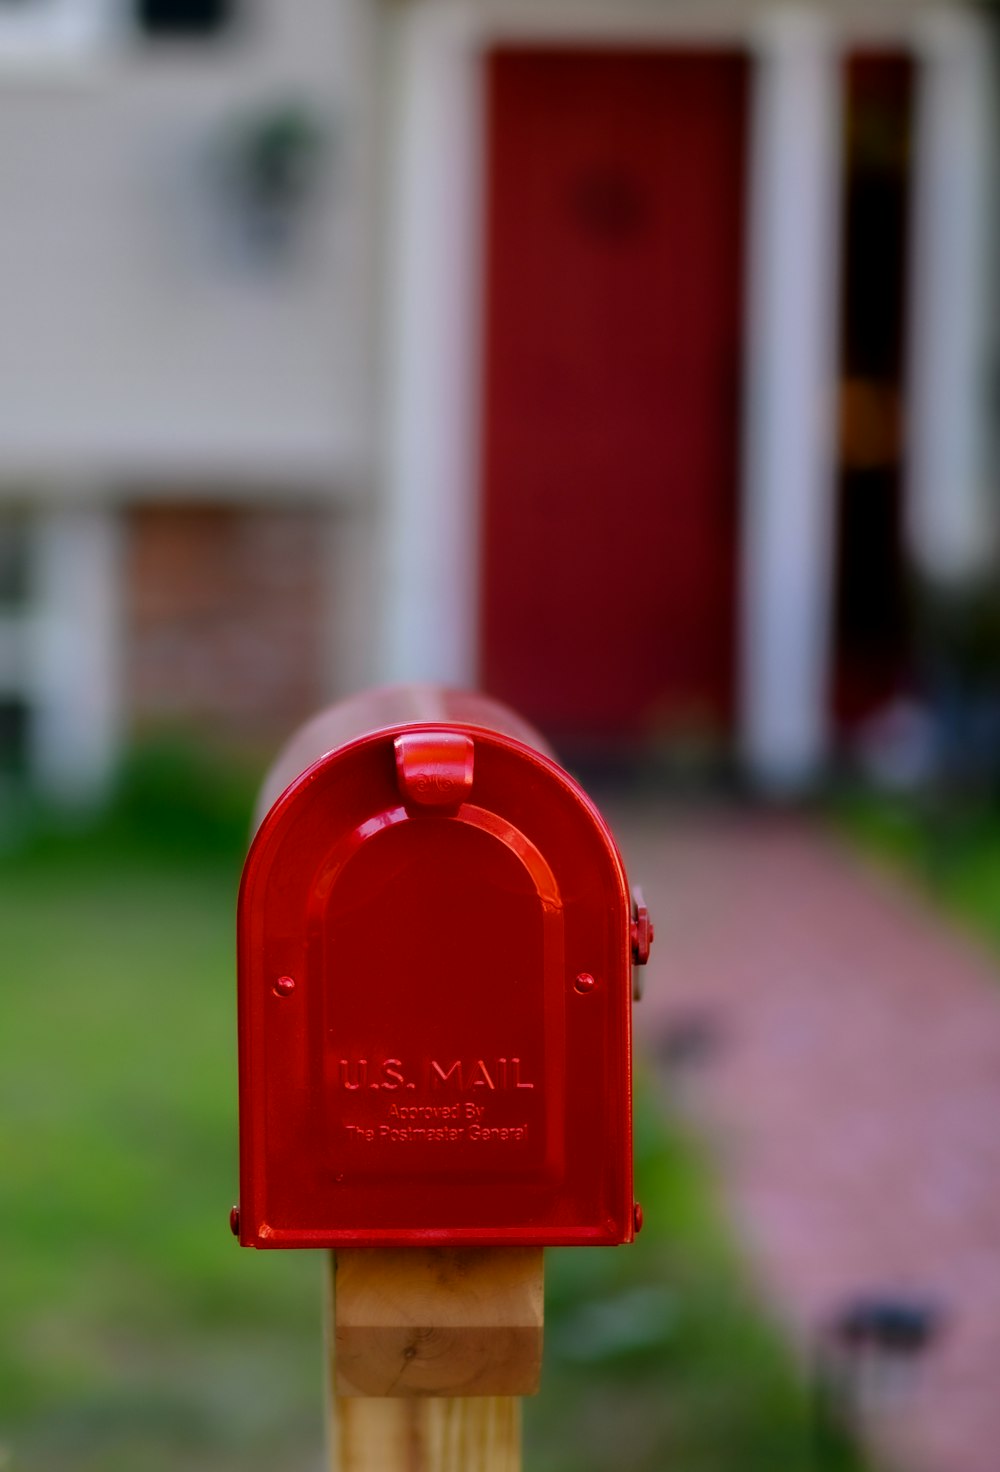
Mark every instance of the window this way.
pixel 183 17
pixel 15 558
pixel 14 745
pixel 53 30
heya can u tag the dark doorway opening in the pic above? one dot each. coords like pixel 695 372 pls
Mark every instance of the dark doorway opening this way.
pixel 872 622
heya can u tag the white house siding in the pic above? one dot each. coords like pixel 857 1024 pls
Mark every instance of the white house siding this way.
pixel 140 334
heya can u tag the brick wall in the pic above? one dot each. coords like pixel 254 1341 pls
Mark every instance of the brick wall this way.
pixel 225 618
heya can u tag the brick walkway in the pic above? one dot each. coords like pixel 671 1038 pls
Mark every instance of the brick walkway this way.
pixel 840 1047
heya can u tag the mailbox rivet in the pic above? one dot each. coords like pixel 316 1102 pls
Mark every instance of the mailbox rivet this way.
pixel 284 986
pixel 637 1218
pixel 584 983
pixel 234 1221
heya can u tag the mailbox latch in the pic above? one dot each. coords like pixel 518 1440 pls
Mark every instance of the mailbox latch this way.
pixel 434 769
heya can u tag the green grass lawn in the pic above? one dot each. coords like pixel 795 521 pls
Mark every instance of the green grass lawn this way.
pixel 137 1336
pixel 951 850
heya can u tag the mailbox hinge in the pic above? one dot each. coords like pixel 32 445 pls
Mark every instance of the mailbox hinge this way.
pixel 642 934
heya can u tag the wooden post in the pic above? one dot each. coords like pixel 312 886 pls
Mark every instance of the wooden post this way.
pixel 429 1350
pixel 433 1435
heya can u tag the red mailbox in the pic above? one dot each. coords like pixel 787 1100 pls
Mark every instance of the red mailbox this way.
pixel 436 940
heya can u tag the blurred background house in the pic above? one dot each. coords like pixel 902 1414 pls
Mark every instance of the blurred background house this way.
pixel 633 359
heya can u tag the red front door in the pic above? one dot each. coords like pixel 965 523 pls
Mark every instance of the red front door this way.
pixel 614 233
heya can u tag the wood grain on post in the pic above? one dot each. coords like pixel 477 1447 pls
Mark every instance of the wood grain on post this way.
pixel 438 1321
pixel 430 1349
pixel 481 1434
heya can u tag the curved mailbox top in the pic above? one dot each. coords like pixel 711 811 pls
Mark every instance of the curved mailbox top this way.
pixel 434 979
pixel 379 709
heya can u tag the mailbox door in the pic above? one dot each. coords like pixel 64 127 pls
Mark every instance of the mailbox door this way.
pixel 419 1060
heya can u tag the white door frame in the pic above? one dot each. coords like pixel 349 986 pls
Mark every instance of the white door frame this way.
pixel 947 512
pixel 788 545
